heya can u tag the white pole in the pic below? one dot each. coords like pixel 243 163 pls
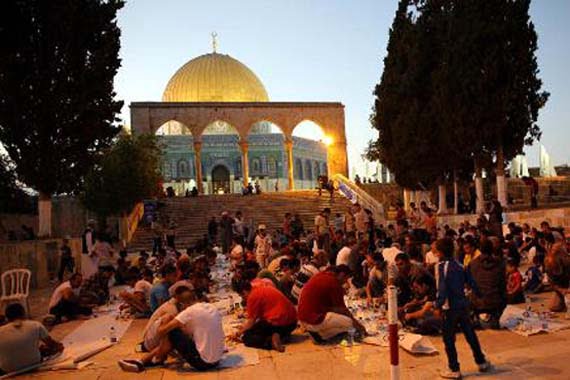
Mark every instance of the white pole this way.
pixel 393 332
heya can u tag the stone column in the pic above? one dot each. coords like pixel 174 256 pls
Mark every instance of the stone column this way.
pixel 244 161
pixel 289 151
pixel 198 165
pixel 337 161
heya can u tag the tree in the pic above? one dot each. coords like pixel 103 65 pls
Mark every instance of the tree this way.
pixel 411 139
pixel 460 84
pixel 128 174
pixel 57 106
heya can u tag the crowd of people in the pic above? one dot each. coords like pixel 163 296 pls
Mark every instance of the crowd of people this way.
pixel 299 276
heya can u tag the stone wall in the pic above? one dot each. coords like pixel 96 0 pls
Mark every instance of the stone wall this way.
pixel 39 256
pixel 386 193
pixel 557 217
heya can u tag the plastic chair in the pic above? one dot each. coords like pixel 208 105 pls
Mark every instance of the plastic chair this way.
pixel 16 287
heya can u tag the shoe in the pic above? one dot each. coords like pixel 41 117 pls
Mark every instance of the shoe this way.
pixel 485 367
pixel 316 338
pixel 129 365
pixel 449 374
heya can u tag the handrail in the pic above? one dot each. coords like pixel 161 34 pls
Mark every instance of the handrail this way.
pixel 133 220
pixel 357 195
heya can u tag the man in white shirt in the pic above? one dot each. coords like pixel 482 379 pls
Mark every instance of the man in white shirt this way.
pixel 196 334
pixel 64 302
pixel 262 246
pixel 343 256
pixel 183 297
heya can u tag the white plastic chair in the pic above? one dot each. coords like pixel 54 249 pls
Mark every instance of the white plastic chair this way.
pixel 16 287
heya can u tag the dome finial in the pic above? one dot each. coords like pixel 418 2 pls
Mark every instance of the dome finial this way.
pixel 214 42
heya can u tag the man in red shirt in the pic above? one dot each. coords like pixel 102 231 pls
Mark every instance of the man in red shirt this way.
pixel 322 311
pixel 271 317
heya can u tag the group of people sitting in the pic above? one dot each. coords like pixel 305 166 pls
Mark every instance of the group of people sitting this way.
pixel 289 280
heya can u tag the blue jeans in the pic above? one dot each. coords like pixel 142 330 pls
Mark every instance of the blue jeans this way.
pixel 452 318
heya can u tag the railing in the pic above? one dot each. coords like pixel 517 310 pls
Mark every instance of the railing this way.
pixel 356 195
pixel 133 220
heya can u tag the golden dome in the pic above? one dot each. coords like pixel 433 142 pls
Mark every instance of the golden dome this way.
pixel 214 78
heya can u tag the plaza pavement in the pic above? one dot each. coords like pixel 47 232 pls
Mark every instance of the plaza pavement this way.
pixel 544 356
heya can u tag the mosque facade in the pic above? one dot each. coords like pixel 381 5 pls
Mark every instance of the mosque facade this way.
pixel 219 131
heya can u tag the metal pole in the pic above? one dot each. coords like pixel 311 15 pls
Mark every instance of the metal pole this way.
pixel 393 332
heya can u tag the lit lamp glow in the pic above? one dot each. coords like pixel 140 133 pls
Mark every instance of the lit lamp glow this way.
pixel 327 140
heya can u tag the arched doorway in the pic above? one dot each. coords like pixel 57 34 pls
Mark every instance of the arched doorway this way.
pixel 220 179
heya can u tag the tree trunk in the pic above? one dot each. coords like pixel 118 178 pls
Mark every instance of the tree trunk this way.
pixel 480 206
pixel 44 215
pixel 442 195
pixel 501 183
pixel 455 193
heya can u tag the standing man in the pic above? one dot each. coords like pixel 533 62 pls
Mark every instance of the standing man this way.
pixel 322 229
pixel 226 225
pixel 66 260
pixel 212 231
pixel 88 265
pixel 451 281
pixel 262 246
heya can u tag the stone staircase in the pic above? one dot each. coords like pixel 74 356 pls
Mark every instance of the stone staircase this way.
pixel 192 214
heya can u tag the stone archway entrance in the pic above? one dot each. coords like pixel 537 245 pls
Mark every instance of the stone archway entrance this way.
pixel 220 179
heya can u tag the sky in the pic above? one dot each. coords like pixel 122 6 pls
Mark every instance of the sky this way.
pixel 312 50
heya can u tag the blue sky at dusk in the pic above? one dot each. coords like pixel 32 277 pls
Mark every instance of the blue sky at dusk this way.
pixel 312 50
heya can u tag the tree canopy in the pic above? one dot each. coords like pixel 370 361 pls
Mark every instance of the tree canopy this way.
pixel 12 198
pixel 128 174
pixel 57 104
pixel 460 82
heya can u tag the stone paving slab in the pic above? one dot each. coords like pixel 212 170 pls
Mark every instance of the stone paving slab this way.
pixel 542 356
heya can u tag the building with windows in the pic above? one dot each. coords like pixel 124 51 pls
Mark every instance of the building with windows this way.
pixel 220 131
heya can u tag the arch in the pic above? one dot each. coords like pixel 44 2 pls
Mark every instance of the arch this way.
pixel 219 127
pixel 298 169
pixel 256 166
pixel 316 169
pixel 308 129
pixel 272 165
pixel 265 126
pixel 220 179
pixel 183 168
pixel 308 170
pixel 167 171
pixel 173 127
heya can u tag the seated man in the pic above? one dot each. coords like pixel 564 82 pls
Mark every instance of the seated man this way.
pixel 377 278
pixel 182 298
pixel 403 276
pixel 159 292
pixel 488 271
pixel 307 271
pixel 421 314
pixel 65 302
pixel 196 334
pixel 24 342
pixel 271 317
pixel 322 311
pixel 136 297
pixel 96 288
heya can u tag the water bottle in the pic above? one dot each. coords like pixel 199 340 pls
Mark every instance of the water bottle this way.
pixel 112 335
pixel 528 302
pixel 350 339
